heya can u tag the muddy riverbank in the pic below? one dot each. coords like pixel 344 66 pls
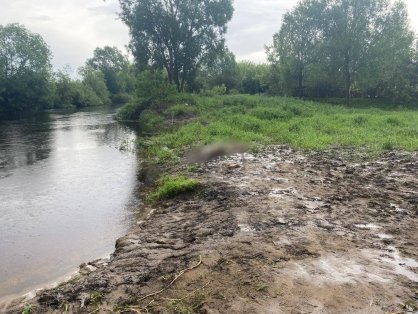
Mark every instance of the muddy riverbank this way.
pixel 274 232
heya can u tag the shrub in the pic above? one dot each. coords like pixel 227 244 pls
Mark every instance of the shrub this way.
pixel 150 121
pixel 153 92
pixel 131 111
pixel 181 110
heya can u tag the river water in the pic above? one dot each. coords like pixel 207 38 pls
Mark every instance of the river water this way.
pixel 67 192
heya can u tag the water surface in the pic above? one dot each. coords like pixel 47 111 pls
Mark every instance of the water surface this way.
pixel 66 194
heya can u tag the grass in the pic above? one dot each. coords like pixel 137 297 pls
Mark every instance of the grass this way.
pixel 280 120
pixel 171 186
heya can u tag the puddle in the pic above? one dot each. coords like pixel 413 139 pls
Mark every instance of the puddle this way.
pixel 339 269
pixel 368 226
pixel 246 228
pixel 402 266
pixel 279 193
pixel 385 236
pixel 315 204
pixel 397 208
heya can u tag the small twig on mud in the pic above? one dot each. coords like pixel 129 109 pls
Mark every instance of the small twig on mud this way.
pixel 174 280
pixel 135 308
pixel 130 309
pixel 95 311
pixel 146 308
pixel 189 294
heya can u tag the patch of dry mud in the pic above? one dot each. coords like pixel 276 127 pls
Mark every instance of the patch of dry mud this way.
pixel 278 232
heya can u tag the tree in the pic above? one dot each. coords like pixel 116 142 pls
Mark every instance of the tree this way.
pixel 344 47
pixel 94 80
pixel 222 71
pixel 393 55
pixel 294 45
pixel 177 35
pixel 111 62
pixel 90 91
pixel 356 33
pixel 25 71
pixel 253 78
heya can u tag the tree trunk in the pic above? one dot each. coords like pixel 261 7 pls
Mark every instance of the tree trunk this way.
pixel 300 87
pixel 347 79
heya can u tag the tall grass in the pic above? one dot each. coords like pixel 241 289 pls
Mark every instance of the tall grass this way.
pixel 279 120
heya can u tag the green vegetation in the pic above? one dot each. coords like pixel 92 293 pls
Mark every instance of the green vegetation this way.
pixel 118 73
pixel 341 47
pixel 280 120
pixel 176 36
pixel 171 186
pixel 27 309
pixel 28 84
pixel 359 51
pixel 25 72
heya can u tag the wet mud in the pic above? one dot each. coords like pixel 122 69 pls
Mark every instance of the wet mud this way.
pixel 274 232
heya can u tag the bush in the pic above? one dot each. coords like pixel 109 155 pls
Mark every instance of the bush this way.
pixel 181 110
pixel 130 112
pixel 121 99
pixel 150 121
pixel 153 92
pixel 153 87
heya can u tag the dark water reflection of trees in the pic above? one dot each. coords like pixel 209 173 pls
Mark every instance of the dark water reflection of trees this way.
pixel 24 143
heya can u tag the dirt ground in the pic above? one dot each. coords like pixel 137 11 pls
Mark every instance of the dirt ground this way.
pixel 274 232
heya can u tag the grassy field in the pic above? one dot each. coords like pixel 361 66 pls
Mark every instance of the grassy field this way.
pixel 278 120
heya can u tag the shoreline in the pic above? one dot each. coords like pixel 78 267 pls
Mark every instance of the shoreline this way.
pixel 28 296
pixel 246 224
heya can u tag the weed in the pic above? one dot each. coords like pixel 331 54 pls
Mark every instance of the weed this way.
pixel 96 298
pixel 388 146
pixel 393 121
pixel 409 305
pixel 170 186
pixel 262 287
pixel 65 307
pixel 27 309
pixel 360 121
pixel 192 168
pixel 191 306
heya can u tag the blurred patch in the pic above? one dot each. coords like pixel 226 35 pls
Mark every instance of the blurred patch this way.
pixel 212 151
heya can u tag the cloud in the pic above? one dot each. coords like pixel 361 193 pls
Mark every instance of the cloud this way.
pixel 74 28
pixel 110 9
pixel 253 26
pixel 42 18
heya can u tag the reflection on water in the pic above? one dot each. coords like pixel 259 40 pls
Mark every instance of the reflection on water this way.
pixel 23 144
pixel 65 195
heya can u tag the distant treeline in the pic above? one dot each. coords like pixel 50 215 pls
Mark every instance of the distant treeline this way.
pixel 324 49
pixel 28 83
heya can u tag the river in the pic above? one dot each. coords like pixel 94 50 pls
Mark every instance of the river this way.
pixel 67 192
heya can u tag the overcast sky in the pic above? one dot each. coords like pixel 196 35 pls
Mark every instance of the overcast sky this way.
pixel 74 28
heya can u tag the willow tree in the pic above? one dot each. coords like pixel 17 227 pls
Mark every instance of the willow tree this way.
pixel 178 35
pixel 364 37
pixel 294 45
pixel 110 61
